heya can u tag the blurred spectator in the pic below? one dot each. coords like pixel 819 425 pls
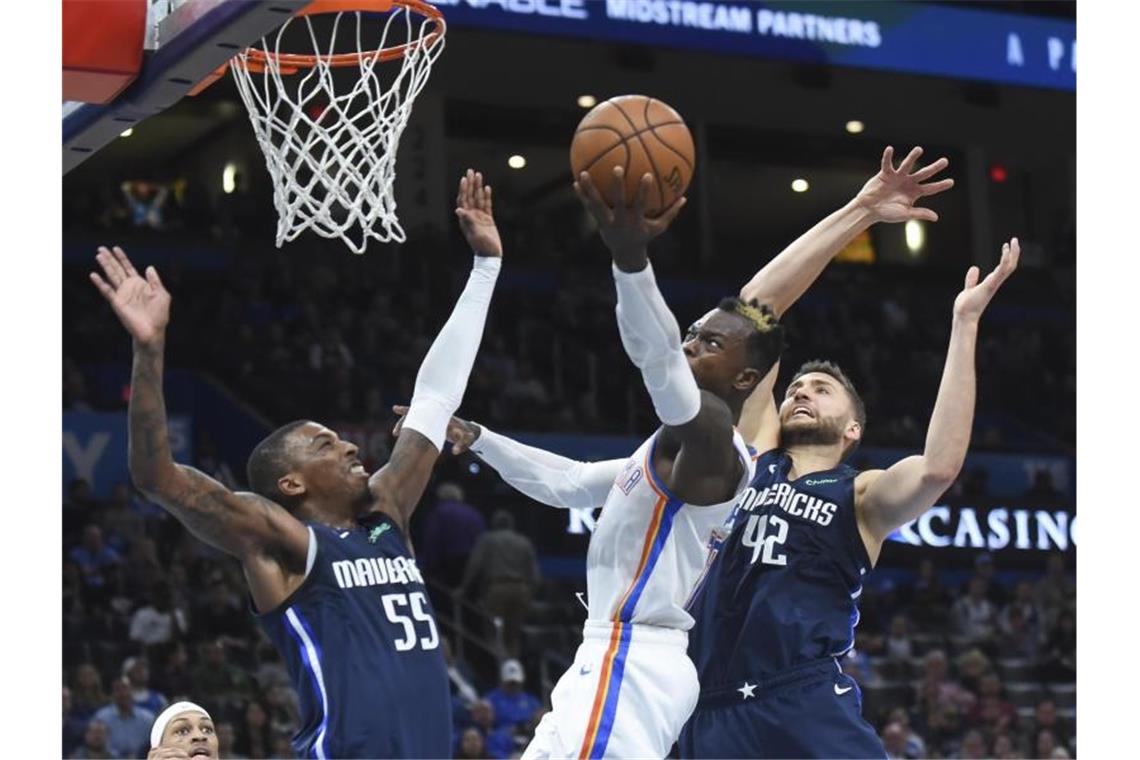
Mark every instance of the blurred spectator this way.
pixel 894 741
pixel 915 746
pixel 145 202
pixel 450 532
pixel 254 739
pixel 1005 748
pixel 1060 652
pixel 1055 591
pixel 1044 743
pixel 95 743
pixel 1019 624
pixel 175 677
pixel 498 741
pixel 94 557
pixel 974 615
pixel 899 645
pixel 219 678
pixel 503 576
pixel 282 746
pixel 973 746
pixel 128 725
pixel 137 672
pixel 1045 719
pixel 220 614
pixel 936 688
pixel 992 713
pixel 973 666
pixel 986 569
pixel 1043 491
pixel 73 727
pixel 210 463
pixel 471 744
pixel 929 600
pixel 87 693
pixel 513 706
pixel 157 622
pixel 122 525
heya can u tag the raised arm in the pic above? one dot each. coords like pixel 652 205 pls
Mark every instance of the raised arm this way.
pixel 271 543
pixel 548 478
pixel 888 499
pixel 698 422
pixel 442 379
pixel 889 196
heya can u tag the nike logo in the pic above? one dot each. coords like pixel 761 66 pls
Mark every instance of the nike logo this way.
pixel 585 672
pixel 840 691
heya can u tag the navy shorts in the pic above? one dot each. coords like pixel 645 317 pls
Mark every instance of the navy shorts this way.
pixel 814 710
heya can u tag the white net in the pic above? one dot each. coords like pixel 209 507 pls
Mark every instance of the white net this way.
pixel 329 132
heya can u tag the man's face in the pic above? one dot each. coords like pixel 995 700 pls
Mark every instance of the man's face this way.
pixel 92 538
pixel 817 410
pixel 96 735
pixel 121 693
pixel 716 347
pixel 139 674
pixel 192 732
pixel 328 467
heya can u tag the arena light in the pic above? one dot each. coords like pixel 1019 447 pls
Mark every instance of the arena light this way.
pixel 127 132
pixel 228 175
pixel 854 126
pixel 587 101
pixel 516 161
pixel 915 236
pixel 800 185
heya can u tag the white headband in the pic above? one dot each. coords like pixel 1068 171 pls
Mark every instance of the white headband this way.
pixel 170 714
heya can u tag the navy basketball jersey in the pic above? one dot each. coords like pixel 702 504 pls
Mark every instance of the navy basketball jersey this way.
pixel 360 641
pixel 784 588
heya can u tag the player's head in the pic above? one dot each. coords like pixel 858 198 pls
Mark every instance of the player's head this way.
pixel 305 463
pixel 731 348
pixel 186 726
pixel 820 408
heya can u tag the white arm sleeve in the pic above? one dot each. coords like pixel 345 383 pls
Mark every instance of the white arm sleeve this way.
pixel 652 339
pixel 442 378
pixel 548 478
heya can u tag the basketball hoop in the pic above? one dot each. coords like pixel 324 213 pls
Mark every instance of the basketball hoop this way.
pixel 330 146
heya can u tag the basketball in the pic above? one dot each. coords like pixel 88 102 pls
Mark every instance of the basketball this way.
pixel 639 134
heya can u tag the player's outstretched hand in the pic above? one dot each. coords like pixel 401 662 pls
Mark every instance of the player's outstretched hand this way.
pixel 626 230
pixel 891 194
pixel 141 304
pixel 460 433
pixel 976 296
pixel 476 215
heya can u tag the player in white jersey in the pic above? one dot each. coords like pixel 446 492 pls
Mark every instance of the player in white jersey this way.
pixel 632 686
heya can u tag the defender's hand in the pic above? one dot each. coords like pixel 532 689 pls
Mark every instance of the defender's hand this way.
pixel 890 195
pixel 626 230
pixel 476 219
pixel 460 433
pixel 142 305
pixel 975 297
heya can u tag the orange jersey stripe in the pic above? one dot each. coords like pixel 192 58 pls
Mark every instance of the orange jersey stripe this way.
pixel 601 694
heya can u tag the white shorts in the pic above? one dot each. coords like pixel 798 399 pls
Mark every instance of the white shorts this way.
pixel 628 694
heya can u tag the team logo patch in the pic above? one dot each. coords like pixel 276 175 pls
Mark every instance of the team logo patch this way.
pixel 375 533
pixel 630 478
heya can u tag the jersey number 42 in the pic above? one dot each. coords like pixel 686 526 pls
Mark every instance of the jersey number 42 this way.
pixel 764 545
pixel 415 603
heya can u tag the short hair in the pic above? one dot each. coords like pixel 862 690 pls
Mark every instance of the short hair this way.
pixel 830 368
pixel 269 461
pixel 767 340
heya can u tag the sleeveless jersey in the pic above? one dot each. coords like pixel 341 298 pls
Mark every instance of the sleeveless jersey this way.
pixel 649 548
pixel 784 590
pixel 360 641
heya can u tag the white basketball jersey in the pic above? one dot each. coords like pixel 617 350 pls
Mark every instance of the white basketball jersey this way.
pixel 649 548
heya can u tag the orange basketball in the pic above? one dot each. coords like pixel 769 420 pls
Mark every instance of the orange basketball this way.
pixel 640 135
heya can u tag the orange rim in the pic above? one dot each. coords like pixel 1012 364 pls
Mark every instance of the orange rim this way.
pixel 289 63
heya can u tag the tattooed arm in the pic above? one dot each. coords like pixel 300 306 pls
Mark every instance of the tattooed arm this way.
pixel 272 544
